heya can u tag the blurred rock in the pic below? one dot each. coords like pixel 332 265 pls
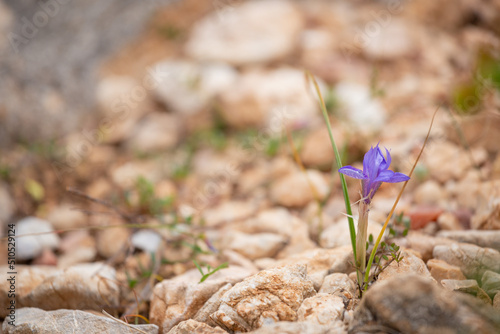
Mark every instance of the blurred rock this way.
pixel 422 243
pixel 429 193
pixel 338 234
pixel 254 246
pixel 365 113
pixel 270 100
pixel 449 221
pixel 441 270
pixel 486 239
pixel 323 309
pixel 190 86
pixel 281 221
pixel 270 296
pixel 84 286
pixel 413 304
pixel 66 216
pixel 194 327
pixel 112 240
pixel 469 286
pixel 289 327
pixel 317 149
pixel 180 298
pixel 471 259
pixel 28 278
pixel 392 40
pixel 77 247
pixel 127 174
pixel 420 217
pixel 257 31
pixel 410 263
pixel 146 240
pixel 157 132
pixel 302 184
pixel 487 218
pixel 46 258
pixel 228 212
pixel 321 262
pixel 35 320
pixel 31 246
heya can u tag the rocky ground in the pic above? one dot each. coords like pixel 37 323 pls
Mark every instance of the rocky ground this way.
pixel 198 196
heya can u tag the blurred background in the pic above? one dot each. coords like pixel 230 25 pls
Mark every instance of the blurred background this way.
pixel 200 103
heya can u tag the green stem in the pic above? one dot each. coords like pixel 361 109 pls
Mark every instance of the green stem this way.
pixel 352 230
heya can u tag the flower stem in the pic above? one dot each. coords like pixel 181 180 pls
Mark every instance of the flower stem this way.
pixel 361 236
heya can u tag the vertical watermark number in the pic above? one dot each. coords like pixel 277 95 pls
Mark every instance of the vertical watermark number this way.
pixel 11 274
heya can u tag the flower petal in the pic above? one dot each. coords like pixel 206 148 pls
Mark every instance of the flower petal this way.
pixel 391 177
pixel 387 160
pixel 353 172
pixel 371 162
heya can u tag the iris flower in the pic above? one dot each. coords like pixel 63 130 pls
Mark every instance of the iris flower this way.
pixel 375 171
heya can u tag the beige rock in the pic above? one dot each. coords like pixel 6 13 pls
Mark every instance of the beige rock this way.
pixel 27 279
pixel 469 286
pixel 252 32
pixel 317 149
pixel 288 327
pixel 77 247
pixel 178 299
pixel 194 327
pixel 254 246
pixel 410 263
pixel 471 259
pixel 413 304
pixel 191 86
pixel 271 295
pixel 422 243
pixel 296 190
pixel 487 239
pixel 235 258
pixel 269 100
pixel 34 320
pixel 323 309
pixel 155 133
pixel 393 40
pixel 487 218
pixel 441 270
pixel 212 304
pixel 66 216
pixel 90 286
pixel 281 221
pixel 338 234
pixel 341 285
pixel 126 175
pixel 228 212
pixel 321 262
pixel 429 193
pixel 110 241
pixel 496 302
pixel 449 222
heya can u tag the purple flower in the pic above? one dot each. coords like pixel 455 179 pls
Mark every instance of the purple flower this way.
pixel 375 171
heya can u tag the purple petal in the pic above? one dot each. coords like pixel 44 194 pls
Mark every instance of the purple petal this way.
pixel 353 172
pixel 387 160
pixel 371 162
pixel 391 177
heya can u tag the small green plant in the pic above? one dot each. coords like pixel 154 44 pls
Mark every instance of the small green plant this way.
pixel 210 271
pixel 148 200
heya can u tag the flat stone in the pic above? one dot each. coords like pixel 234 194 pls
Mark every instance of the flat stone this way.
pixel 323 309
pixel 413 304
pixel 341 285
pixel 410 263
pixel 254 246
pixel 269 296
pixel 441 270
pixel 31 246
pixel 194 327
pixel 472 260
pixel 302 184
pixel 252 32
pixel 34 320
pixel 486 239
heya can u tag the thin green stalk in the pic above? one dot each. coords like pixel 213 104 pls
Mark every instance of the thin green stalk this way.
pixel 379 239
pixel 352 230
